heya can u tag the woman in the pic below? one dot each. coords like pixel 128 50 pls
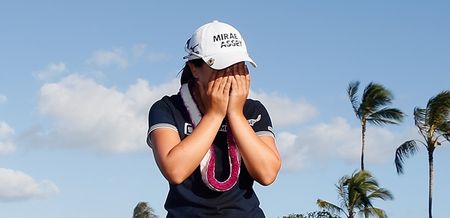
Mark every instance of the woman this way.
pixel 209 141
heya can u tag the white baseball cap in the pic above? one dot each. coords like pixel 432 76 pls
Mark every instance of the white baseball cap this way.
pixel 219 44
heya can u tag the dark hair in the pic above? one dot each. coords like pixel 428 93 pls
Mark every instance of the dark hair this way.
pixel 186 74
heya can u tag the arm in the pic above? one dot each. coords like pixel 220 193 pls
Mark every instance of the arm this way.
pixel 259 153
pixel 177 159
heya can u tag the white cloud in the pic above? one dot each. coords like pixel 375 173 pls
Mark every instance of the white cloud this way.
pixel 6 144
pixel 293 155
pixel 51 71
pixel 283 111
pixel 337 140
pixel 16 185
pixel 89 115
pixel 104 58
pixel 3 99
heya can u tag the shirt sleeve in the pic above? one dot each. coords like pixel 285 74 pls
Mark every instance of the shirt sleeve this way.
pixel 160 116
pixel 259 119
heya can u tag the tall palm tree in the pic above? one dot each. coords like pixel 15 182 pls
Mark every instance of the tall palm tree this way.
pixel 433 124
pixel 356 193
pixel 372 108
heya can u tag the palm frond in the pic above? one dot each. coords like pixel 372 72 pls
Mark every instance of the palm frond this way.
pixel 447 137
pixel 375 96
pixel 381 193
pixel 447 133
pixel 420 120
pixel 439 108
pixel 374 212
pixel 420 115
pixel 343 192
pixel 386 116
pixel 359 185
pixel 356 193
pixel 405 150
pixel 444 129
pixel 329 206
pixel 352 92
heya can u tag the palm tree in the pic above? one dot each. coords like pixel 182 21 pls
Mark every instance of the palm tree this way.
pixel 356 194
pixel 433 124
pixel 372 108
pixel 143 210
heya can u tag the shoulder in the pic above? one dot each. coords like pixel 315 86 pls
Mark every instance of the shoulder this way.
pixel 166 110
pixel 253 106
pixel 253 103
pixel 166 102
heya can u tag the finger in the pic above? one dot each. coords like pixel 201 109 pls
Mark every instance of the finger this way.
pixel 239 78
pixel 211 85
pixel 247 76
pixel 234 87
pixel 221 83
pixel 218 81
pixel 243 75
pixel 246 69
pixel 247 81
pixel 227 86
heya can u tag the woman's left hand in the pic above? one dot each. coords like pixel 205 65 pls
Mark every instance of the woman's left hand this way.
pixel 259 153
pixel 240 88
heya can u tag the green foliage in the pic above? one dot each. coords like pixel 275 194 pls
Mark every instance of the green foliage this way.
pixel 143 210
pixel 372 108
pixel 356 194
pixel 433 123
pixel 316 214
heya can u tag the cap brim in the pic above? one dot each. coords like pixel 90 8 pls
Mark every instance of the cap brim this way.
pixel 224 60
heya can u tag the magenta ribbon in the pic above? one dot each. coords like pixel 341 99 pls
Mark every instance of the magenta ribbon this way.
pixel 208 163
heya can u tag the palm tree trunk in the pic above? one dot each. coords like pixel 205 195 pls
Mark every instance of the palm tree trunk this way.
pixel 363 139
pixel 350 214
pixel 363 136
pixel 430 182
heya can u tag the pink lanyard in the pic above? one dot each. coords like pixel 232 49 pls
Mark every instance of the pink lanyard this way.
pixel 208 163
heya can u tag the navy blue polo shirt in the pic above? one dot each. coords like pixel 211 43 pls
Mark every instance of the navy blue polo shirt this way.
pixel 192 198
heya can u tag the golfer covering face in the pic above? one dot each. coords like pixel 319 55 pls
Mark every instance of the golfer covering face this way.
pixel 209 140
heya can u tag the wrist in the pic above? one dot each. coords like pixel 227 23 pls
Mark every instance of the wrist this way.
pixel 235 114
pixel 218 117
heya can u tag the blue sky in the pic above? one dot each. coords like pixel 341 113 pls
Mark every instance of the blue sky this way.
pixel 77 79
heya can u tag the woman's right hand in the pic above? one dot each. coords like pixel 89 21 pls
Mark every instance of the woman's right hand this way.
pixel 171 152
pixel 216 96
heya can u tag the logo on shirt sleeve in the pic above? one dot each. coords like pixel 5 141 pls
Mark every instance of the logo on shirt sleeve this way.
pixel 253 121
